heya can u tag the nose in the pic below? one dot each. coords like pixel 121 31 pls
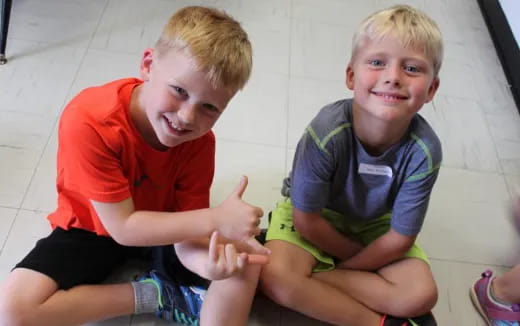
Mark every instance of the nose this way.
pixel 393 75
pixel 187 114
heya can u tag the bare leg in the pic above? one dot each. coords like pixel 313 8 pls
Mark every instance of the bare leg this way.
pixel 287 280
pixel 31 298
pixel 228 302
pixel 404 289
pixel 507 286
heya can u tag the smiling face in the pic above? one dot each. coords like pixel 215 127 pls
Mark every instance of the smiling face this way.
pixel 390 82
pixel 176 103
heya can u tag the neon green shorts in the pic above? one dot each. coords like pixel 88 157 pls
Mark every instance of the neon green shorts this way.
pixel 281 228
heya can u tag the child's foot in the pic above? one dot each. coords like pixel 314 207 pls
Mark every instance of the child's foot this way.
pixel 424 320
pixel 495 313
pixel 177 303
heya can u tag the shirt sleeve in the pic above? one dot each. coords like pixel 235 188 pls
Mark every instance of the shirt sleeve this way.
pixel 412 200
pixel 312 172
pixel 89 161
pixel 192 188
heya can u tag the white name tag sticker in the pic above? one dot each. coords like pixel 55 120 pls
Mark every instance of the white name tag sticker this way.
pixel 375 169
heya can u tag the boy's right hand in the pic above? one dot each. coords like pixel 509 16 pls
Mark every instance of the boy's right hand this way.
pixel 224 261
pixel 236 219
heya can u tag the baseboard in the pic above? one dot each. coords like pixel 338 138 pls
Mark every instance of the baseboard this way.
pixel 507 48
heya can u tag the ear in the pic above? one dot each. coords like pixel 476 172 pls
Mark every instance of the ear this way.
pixel 146 64
pixel 433 89
pixel 350 76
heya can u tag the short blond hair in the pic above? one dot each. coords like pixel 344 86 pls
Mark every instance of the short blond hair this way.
pixel 216 41
pixel 409 25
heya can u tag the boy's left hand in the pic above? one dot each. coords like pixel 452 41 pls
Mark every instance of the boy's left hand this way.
pixel 224 261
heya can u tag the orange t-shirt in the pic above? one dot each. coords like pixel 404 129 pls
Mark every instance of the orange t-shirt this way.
pixel 102 157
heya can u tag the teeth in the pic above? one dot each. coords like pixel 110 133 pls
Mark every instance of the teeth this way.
pixel 391 97
pixel 174 126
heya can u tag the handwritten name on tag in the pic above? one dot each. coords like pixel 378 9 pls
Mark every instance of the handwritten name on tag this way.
pixel 375 169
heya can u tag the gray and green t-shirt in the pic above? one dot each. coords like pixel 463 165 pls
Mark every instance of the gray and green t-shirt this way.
pixel 331 169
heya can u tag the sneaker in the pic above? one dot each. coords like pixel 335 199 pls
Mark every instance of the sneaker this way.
pixel 495 314
pixel 177 303
pixel 424 320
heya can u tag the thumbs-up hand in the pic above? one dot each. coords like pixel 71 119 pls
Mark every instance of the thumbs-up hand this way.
pixel 236 219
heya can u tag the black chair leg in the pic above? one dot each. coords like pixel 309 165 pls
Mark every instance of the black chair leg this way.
pixel 6 13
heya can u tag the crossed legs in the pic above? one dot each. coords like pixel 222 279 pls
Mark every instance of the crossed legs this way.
pixel 346 297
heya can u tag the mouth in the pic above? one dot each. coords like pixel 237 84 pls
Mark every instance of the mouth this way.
pixel 390 97
pixel 174 128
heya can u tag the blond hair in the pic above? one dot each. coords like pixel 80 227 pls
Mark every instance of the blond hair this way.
pixel 216 42
pixel 410 26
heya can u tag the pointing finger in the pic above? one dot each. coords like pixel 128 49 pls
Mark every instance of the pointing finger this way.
pixel 257 259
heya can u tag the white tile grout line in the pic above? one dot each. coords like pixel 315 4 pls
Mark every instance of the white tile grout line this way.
pixel 9 232
pixel 289 82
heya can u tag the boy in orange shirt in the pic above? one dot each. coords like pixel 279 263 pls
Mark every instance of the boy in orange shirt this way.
pixel 135 165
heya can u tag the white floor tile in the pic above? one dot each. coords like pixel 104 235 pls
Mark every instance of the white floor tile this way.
pixel 456 80
pixel 419 4
pixel 247 11
pixel 509 153
pixel 7 216
pixel 471 186
pixel 41 194
pixel 70 22
pixel 270 38
pixel 38 76
pixel 463 147
pixel 130 26
pixel 333 11
pixel 258 114
pixel 308 58
pixel 475 232
pixel 16 173
pixel 100 67
pixel 513 185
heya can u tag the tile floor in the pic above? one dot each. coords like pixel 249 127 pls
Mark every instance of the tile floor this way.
pixel 301 47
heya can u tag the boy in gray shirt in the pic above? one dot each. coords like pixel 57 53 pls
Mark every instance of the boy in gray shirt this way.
pixel 343 240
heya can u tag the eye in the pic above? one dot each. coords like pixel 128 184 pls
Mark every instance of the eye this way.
pixel 211 108
pixel 376 63
pixel 180 91
pixel 412 69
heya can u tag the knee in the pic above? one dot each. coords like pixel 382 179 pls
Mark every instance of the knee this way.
pixel 276 285
pixel 415 303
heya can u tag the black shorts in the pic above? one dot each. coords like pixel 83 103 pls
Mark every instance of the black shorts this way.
pixel 76 257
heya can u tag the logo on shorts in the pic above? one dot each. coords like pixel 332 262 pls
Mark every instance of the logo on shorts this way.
pixel 283 226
